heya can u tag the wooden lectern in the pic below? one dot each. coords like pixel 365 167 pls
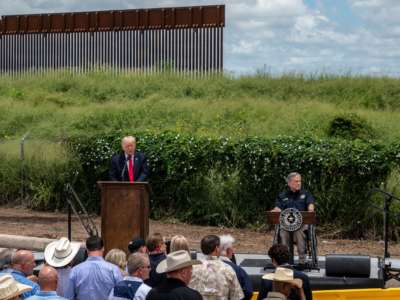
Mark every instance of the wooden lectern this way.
pixel 309 218
pixel 124 212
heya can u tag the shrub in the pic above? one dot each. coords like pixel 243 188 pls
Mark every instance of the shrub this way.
pixel 350 126
pixel 226 182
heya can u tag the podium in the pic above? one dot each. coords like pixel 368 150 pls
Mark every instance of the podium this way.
pixel 309 218
pixel 124 212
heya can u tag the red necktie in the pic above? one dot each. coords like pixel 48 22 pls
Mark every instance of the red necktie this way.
pixel 130 169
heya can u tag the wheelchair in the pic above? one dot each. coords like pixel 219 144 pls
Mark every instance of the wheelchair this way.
pixel 311 245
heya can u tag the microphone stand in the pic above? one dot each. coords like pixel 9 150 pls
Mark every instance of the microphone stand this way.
pixel 124 168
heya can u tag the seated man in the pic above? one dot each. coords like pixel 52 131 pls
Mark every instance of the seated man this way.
pixel 295 197
pixel 156 247
pixel 48 279
pixel 178 269
pixel 227 252
pixel 11 289
pixel 133 287
pixel 283 282
pixel 279 255
pixel 214 279
pixel 22 265
pixel 93 278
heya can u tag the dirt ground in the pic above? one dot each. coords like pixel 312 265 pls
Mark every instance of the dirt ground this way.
pixel 19 221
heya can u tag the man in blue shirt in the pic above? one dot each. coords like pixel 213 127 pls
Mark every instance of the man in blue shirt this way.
pixel 295 197
pixel 94 278
pixel 48 285
pixel 133 287
pixel 22 265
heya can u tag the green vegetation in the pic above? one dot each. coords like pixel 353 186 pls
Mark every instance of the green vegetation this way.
pixel 206 139
pixel 59 105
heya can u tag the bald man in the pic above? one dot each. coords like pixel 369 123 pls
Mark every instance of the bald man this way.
pixel 48 285
pixel 22 265
pixel 130 165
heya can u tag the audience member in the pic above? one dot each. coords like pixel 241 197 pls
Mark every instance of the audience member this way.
pixel 179 242
pixel 133 287
pixel 280 255
pixel 137 245
pixel 22 265
pixel 213 278
pixel 283 283
pixel 60 255
pixel 5 258
pixel 227 252
pixel 118 258
pixel 94 278
pixel 178 269
pixel 10 289
pixel 156 247
pixel 48 285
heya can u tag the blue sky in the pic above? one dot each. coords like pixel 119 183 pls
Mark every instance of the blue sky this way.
pixel 281 36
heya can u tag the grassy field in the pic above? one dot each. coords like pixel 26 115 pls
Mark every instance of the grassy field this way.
pixel 58 105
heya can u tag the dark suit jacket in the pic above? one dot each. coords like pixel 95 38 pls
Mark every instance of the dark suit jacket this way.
pixel 119 170
pixel 155 278
pixel 173 289
pixel 266 286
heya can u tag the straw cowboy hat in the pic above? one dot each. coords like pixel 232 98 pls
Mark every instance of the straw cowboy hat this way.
pixel 284 275
pixel 9 287
pixel 175 261
pixel 61 252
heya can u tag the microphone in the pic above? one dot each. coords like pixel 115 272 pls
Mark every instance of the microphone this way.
pixel 124 168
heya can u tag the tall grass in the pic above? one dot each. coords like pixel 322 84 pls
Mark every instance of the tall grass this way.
pixel 58 105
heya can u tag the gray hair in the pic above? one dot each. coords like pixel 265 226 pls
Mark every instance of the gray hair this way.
pixel 226 242
pixel 136 261
pixel 291 175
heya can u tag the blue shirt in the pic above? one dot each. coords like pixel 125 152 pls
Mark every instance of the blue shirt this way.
pixel 51 295
pixel 21 278
pixel 92 279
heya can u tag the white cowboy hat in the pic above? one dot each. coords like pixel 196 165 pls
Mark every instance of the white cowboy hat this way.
pixel 284 275
pixel 61 252
pixel 175 261
pixel 9 287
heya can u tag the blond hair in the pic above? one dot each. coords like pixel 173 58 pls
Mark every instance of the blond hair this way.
pixel 179 242
pixel 117 257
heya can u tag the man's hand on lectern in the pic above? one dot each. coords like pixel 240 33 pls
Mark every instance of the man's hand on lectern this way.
pixel 276 209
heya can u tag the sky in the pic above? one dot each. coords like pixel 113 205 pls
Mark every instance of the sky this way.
pixel 282 36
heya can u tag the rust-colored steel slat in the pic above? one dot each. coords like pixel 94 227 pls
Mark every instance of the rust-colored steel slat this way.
pixel 179 39
pixel 156 18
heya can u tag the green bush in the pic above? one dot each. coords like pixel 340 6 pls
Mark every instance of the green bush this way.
pixel 350 126
pixel 230 182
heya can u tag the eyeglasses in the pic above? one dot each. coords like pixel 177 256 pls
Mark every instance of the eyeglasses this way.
pixel 148 267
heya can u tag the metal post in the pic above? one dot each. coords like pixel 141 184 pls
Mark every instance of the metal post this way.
pixel 22 158
pixel 388 200
pixel 69 222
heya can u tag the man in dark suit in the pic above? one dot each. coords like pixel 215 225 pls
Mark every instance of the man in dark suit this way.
pixel 130 165
pixel 279 255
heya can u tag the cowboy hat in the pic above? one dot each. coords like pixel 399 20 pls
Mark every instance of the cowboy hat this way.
pixel 61 252
pixel 175 261
pixel 284 275
pixel 9 287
